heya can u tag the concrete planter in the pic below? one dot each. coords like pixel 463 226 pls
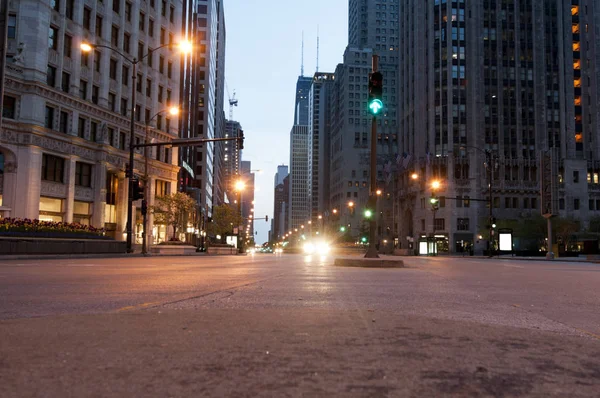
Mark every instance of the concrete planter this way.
pixel 33 246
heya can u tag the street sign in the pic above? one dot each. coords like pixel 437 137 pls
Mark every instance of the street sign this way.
pixel 549 182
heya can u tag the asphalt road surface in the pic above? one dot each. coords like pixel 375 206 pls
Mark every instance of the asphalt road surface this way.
pixel 272 325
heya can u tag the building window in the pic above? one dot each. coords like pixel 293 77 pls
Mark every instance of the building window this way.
pixel 81 128
pixel 99 26
pixel 576 204
pixel 168 97
pixel 163 8
pixel 69 8
pixel 49 118
pixel 140 50
pixel 575 177
pixel 85 59
pixel 51 76
pixel 159 122
pixel 148 88
pixel 66 82
pixel 112 185
pixel 128 11
pixel 151 27
pixel 116 6
pixel 161 188
pixel 93 131
pixel 97 60
pixel 161 64
pixel 113 69
pixel 95 94
pixel 12 26
pixel 440 224
pixel 125 75
pixel 53 168
pixel 87 18
pixel 142 24
pixel 127 42
pixel 67 46
pixel 53 38
pixel 462 224
pixel 83 174
pixel 172 15
pixel 63 125
pixel 112 99
pixel 169 70
pixel 9 107
pixel 55 4
pixel 163 35
pixel 138 83
pixel 168 124
pixel 114 36
pixel 122 140
pixel 124 106
pixel 160 93
pixel 111 136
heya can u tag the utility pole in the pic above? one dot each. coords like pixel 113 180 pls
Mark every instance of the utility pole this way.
pixel 488 155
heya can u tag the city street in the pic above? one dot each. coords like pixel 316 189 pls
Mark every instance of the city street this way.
pixel 289 325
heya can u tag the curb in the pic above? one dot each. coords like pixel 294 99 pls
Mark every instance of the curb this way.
pixel 368 263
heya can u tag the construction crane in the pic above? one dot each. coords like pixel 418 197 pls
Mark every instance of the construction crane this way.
pixel 232 101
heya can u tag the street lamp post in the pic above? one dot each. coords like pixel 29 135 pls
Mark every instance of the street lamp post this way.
pixel 87 47
pixel 239 187
pixel 490 175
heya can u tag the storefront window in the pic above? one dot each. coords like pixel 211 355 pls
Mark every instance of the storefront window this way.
pixel 82 212
pixel 51 209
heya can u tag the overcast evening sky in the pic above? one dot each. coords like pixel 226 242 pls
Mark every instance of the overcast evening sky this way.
pixel 264 41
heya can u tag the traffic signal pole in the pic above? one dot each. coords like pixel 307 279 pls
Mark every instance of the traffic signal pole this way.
pixel 372 251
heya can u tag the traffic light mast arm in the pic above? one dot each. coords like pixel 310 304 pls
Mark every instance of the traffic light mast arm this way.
pixel 184 142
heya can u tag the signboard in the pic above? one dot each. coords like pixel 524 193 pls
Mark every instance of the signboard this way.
pixel 506 244
pixel 549 182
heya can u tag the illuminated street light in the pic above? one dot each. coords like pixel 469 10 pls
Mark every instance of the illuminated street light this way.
pixel 414 176
pixel 335 211
pixel 240 185
pixel 350 204
pixel 435 184
pixel 379 192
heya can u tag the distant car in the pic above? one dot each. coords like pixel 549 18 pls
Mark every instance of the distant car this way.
pixel 279 250
pixel 266 250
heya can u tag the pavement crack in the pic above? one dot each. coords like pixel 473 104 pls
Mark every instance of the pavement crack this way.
pixel 228 289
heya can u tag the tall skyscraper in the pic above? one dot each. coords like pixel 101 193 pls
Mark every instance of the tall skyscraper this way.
pixel 248 177
pixel 280 200
pixel 319 146
pixel 299 207
pixel 202 95
pixel 232 157
pixel 64 142
pixel 301 103
pixel 372 29
pixel 513 78
pixel 282 172
pixel 219 180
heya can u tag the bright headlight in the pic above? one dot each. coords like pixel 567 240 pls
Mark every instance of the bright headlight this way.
pixel 309 248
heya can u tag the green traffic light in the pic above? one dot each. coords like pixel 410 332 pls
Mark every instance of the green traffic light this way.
pixel 342 229
pixel 363 239
pixel 368 213
pixel 375 106
pixel 433 201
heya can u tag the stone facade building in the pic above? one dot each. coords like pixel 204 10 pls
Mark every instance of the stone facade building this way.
pixel 65 130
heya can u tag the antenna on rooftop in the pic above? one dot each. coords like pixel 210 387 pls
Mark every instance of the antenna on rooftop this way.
pixel 317 48
pixel 302 62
